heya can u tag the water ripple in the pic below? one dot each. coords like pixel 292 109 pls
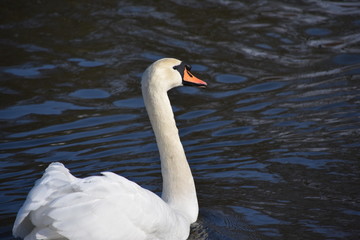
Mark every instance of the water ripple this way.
pixel 272 142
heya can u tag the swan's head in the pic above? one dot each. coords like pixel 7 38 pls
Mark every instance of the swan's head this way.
pixel 168 73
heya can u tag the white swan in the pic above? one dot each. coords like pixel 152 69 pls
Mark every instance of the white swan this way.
pixel 61 206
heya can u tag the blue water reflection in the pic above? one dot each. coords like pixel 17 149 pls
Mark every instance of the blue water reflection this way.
pixel 273 142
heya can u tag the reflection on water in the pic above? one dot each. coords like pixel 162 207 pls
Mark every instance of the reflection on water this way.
pixel 273 142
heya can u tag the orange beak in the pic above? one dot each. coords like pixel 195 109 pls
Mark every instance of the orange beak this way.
pixel 190 80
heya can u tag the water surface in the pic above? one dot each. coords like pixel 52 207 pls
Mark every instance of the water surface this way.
pixel 273 142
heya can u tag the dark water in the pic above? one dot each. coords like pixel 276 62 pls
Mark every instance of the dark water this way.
pixel 273 142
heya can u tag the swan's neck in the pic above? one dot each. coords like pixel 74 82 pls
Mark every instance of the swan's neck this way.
pixel 178 184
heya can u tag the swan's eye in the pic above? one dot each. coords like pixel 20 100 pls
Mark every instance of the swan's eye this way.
pixel 175 67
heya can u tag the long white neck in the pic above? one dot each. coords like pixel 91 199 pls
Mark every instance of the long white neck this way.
pixel 178 183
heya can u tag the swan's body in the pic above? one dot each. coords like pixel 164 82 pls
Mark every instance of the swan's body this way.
pixel 61 206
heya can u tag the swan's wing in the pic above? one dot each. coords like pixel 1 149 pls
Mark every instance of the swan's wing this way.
pixel 109 207
pixel 55 182
pixel 99 207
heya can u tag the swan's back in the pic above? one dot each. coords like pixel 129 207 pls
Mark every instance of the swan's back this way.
pixel 61 206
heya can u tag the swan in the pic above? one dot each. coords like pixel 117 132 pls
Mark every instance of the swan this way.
pixel 111 207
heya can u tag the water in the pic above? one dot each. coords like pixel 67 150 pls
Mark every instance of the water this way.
pixel 273 142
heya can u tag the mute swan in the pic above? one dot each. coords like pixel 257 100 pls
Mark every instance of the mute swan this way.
pixel 109 207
